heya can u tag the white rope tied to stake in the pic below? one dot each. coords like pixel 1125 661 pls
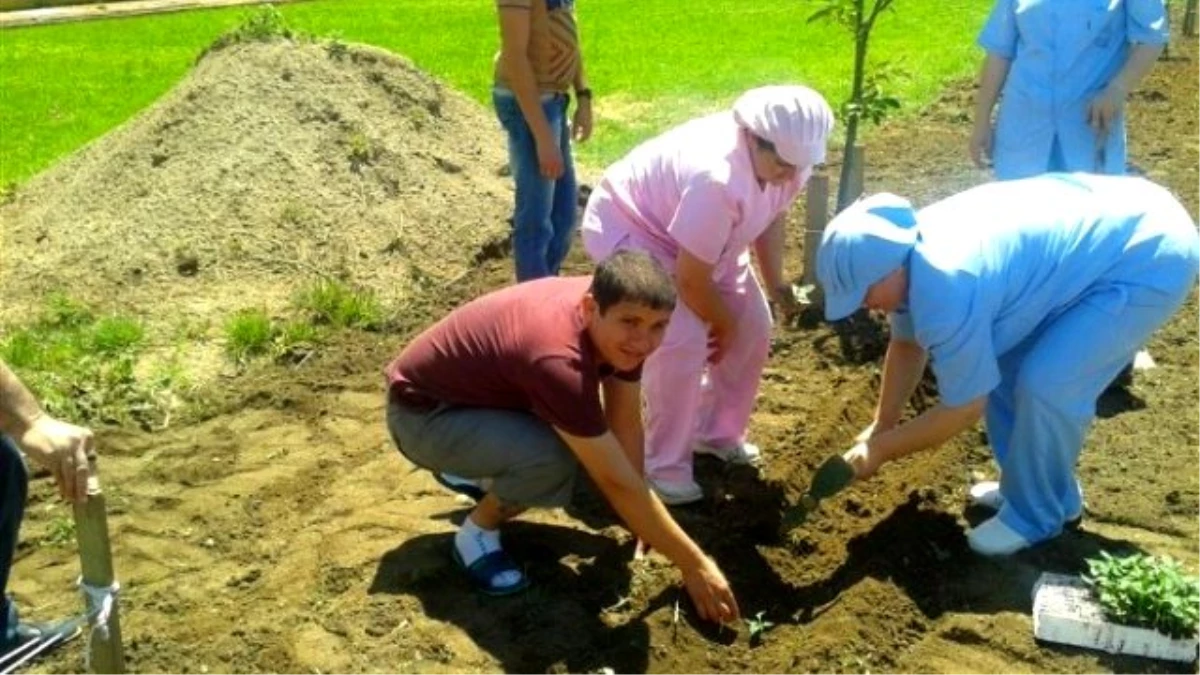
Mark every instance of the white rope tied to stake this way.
pixel 99 601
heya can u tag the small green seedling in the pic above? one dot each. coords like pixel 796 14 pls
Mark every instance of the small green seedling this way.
pixel 62 531
pixel 758 628
pixel 1146 591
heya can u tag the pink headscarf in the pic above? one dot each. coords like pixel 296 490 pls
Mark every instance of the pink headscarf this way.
pixel 794 118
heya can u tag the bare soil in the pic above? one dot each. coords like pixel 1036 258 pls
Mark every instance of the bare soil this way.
pixel 285 533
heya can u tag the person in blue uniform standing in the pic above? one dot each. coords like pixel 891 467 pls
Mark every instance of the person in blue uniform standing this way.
pixel 1065 68
pixel 1027 297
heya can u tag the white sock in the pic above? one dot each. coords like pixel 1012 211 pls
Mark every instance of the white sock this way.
pixel 474 542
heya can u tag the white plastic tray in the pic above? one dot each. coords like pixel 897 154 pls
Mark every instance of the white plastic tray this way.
pixel 1064 612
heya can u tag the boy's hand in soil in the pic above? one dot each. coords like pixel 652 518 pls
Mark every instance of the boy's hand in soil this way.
pixel 860 457
pixel 710 592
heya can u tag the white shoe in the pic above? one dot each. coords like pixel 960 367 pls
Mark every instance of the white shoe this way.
pixel 677 493
pixel 743 453
pixel 992 537
pixel 987 494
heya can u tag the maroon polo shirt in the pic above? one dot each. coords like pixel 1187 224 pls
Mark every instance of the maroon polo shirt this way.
pixel 524 347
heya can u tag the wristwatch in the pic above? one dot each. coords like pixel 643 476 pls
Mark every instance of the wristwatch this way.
pixel 583 93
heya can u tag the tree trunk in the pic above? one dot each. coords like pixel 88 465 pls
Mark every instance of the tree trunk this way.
pixel 860 65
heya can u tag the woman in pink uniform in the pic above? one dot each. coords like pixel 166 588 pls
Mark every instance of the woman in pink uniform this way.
pixel 698 198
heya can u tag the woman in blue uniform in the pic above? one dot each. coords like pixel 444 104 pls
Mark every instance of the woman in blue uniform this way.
pixel 1065 68
pixel 1027 297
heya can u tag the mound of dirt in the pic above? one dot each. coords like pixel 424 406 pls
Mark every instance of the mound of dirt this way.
pixel 270 164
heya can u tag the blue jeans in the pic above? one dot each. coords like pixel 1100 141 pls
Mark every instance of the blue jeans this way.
pixel 544 214
pixel 14 486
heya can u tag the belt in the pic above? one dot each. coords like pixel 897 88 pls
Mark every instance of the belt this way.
pixel 544 96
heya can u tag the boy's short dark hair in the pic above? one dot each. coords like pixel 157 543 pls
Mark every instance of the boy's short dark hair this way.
pixel 632 276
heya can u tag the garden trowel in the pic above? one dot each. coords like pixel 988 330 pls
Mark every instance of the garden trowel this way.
pixel 831 477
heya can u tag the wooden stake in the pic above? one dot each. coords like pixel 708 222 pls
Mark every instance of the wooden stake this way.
pixel 816 215
pixel 95 559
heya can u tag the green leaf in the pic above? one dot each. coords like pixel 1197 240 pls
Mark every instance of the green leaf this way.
pixel 1144 590
pixel 822 13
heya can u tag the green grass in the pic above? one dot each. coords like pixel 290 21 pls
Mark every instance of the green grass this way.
pixel 248 333
pixel 61 531
pixel 317 309
pixel 330 302
pixel 652 63
pixel 83 367
pixel 297 340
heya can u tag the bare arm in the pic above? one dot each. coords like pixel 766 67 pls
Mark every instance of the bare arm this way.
pixel 928 430
pixel 60 447
pixel 693 278
pixel 623 408
pixel 18 409
pixel 581 122
pixel 605 461
pixel 1139 63
pixel 902 369
pixel 514 61
pixel 580 81
pixel 768 249
pixel 1106 107
pixel 992 75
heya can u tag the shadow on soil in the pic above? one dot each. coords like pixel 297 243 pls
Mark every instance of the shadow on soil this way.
pixel 556 625
pixel 560 623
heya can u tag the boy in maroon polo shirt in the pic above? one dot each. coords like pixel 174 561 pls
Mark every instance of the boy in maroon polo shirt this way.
pixel 502 399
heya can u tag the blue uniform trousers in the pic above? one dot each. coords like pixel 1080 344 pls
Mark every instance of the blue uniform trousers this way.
pixel 1039 415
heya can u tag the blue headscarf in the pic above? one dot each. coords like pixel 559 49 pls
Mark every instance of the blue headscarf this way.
pixel 861 245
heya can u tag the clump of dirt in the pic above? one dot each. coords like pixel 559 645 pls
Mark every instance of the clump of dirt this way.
pixel 271 163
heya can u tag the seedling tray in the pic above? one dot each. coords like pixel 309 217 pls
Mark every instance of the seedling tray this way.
pixel 1065 612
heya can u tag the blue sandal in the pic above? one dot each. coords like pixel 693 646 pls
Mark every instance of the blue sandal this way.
pixel 474 492
pixel 488 567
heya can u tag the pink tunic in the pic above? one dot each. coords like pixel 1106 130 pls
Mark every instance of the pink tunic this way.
pixel 693 188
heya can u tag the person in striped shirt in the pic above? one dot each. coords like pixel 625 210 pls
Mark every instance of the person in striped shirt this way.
pixel 539 63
